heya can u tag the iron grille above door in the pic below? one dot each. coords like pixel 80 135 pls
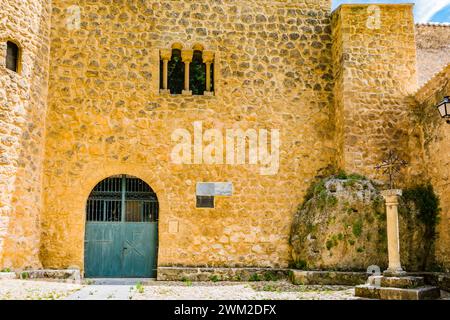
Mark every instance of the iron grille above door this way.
pixel 122 194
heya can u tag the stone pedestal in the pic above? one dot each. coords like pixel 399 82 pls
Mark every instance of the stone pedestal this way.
pixel 391 199
pixel 397 288
pixel 395 284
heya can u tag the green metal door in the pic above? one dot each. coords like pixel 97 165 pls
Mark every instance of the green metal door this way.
pixel 121 229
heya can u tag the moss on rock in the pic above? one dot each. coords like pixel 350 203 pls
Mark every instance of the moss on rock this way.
pixel 341 225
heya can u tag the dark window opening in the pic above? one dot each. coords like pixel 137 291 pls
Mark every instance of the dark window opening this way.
pixel 176 73
pixel 161 76
pixel 197 76
pixel 212 77
pixel 205 202
pixel 12 56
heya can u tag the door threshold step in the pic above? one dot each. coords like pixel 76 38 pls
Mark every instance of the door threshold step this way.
pixel 118 281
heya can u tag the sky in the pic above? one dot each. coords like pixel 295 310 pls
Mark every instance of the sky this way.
pixel 425 10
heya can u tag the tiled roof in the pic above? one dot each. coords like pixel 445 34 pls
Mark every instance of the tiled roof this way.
pixel 434 24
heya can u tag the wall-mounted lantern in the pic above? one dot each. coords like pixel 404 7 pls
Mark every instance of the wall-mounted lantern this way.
pixel 444 109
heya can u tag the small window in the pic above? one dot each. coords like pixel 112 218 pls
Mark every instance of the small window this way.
pixel 187 72
pixel 176 73
pixel 205 202
pixel 12 56
pixel 197 75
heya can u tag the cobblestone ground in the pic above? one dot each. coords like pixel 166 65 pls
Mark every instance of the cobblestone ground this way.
pixel 281 290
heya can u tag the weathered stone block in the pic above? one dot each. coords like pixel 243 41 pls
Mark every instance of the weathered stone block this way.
pixel 327 277
pixel 374 292
pixel 402 282
pixel 424 293
pixel 221 274
pixel 368 292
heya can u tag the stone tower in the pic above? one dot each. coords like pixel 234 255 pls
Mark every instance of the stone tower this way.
pixel 374 59
pixel 23 98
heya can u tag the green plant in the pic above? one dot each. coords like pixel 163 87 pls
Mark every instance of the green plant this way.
pixel 270 276
pixel 186 281
pixel 356 176
pixel 357 228
pixel 317 187
pixel 255 277
pixel 24 275
pixel 332 201
pixel 301 265
pixel 6 270
pixel 269 287
pixel 140 287
pixel 341 175
pixel 214 278
pixel 426 202
pixel 329 244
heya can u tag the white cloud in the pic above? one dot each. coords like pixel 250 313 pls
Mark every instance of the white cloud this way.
pixel 424 9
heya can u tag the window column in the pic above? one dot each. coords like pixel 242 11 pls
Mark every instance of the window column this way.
pixel 186 56
pixel 166 55
pixel 208 59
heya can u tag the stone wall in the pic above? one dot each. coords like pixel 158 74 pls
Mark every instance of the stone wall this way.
pixel 22 117
pixel 374 59
pixel 433 46
pixel 435 135
pixel 338 89
pixel 106 117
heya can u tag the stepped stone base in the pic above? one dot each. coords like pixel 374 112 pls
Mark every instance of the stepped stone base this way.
pixel 402 282
pixel 397 288
pixel 422 293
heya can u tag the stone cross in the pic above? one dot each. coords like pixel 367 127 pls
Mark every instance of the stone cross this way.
pixel 391 166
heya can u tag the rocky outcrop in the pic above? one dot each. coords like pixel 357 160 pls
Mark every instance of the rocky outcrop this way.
pixel 342 226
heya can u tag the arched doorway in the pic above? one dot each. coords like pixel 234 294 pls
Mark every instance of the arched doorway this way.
pixel 121 237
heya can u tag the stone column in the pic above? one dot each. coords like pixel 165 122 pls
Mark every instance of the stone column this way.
pixel 208 58
pixel 391 199
pixel 186 56
pixel 166 55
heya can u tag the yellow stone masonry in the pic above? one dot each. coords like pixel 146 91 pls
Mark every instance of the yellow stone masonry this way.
pixel 106 117
pixel 435 137
pixel 337 86
pixel 23 104
pixel 374 57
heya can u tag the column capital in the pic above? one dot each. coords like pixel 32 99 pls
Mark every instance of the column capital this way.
pixel 391 196
pixel 187 55
pixel 208 56
pixel 166 54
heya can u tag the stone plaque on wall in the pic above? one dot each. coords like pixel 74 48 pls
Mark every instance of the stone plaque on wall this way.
pixel 212 189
